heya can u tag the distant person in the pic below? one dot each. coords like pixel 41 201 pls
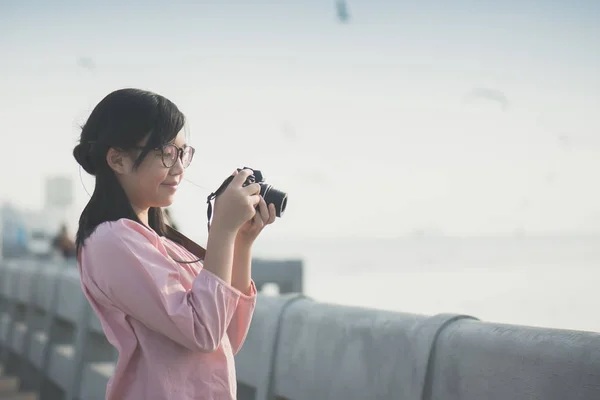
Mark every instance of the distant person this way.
pixel 176 312
pixel 63 243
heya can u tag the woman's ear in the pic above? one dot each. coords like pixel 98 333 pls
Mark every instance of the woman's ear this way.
pixel 116 161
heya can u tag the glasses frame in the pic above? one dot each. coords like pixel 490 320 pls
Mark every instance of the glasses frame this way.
pixel 180 151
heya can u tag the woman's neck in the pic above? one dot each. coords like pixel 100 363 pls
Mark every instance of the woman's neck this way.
pixel 142 215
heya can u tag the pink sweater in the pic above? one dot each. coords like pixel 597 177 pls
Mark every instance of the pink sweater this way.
pixel 176 326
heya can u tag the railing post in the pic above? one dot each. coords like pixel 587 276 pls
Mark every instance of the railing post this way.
pixel 81 335
pixel 30 317
pixel 425 336
pixel 49 330
pixel 11 310
pixel 264 386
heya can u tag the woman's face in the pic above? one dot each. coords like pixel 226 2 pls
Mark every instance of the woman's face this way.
pixel 151 184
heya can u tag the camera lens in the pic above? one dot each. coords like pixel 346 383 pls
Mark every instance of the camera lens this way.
pixel 277 197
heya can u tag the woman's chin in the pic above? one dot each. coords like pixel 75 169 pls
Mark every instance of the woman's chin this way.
pixel 166 195
pixel 165 201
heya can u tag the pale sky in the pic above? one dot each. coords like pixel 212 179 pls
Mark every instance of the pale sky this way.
pixel 462 117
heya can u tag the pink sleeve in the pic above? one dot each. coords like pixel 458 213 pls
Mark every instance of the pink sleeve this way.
pixel 122 268
pixel 240 323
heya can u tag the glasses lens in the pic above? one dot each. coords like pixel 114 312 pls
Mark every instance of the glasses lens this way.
pixel 169 155
pixel 187 156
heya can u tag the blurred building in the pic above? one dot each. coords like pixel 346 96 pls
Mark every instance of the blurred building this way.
pixel 30 232
pixel 14 232
pixel 58 203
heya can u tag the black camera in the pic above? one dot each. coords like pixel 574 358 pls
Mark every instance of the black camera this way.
pixel 268 192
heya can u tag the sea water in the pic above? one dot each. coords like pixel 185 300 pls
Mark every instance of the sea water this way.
pixel 550 281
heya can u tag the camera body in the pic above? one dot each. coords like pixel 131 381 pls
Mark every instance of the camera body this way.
pixel 267 192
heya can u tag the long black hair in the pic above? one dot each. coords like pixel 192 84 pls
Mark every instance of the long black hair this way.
pixel 122 120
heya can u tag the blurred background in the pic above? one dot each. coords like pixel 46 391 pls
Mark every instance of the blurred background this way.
pixel 439 156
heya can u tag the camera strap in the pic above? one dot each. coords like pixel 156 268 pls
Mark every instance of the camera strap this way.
pixel 213 196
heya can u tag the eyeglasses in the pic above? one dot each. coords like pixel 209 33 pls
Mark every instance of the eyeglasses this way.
pixel 170 153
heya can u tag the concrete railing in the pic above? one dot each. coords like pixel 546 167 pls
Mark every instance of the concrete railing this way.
pixel 299 349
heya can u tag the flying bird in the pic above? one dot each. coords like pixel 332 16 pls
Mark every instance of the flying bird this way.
pixel 494 95
pixel 342 11
pixel 86 63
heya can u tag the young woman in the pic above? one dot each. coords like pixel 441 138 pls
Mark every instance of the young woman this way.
pixel 176 313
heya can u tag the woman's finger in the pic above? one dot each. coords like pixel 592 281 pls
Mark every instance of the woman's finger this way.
pixel 255 200
pixel 263 210
pixel 272 214
pixel 256 221
pixel 252 189
pixel 240 177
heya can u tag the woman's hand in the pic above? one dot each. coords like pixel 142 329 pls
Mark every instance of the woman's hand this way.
pixel 236 205
pixel 265 215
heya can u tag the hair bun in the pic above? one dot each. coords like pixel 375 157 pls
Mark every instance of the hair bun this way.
pixel 81 152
